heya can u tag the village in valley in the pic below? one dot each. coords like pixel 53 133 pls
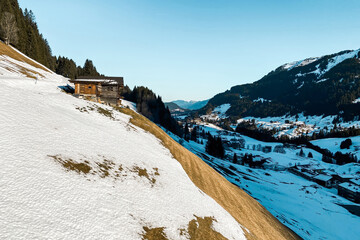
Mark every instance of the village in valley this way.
pixel 298 159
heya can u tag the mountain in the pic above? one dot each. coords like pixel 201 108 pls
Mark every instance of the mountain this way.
pixel 327 85
pixel 74 169
pixel 191 105
pixel 174 107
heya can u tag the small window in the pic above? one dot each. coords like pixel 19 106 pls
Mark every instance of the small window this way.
pixel 90 87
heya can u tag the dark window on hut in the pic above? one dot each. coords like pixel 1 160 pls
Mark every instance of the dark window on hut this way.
pixel 90 87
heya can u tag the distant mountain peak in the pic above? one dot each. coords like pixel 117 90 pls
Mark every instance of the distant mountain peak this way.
pixel 191 105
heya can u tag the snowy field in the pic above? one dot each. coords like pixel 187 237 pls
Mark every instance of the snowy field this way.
pixel 218 113
pixel 333 144
pixel 72 169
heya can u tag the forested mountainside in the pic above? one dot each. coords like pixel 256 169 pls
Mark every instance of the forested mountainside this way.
pixel 315 86
pixel 19 28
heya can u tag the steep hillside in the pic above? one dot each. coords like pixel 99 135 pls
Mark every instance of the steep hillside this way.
pixel 315 86
pixel 76 169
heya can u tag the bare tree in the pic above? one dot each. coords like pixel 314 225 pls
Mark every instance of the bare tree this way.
pixel 9 28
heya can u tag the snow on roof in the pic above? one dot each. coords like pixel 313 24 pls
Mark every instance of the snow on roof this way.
pixel 307 174
pixel 95 79
pixel 347 176
pixel 316 167
pixel 351 187
pixel 323 177
pixel 355 181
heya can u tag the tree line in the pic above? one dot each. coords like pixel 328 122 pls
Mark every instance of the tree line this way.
pixel 19 28
pixel 151 106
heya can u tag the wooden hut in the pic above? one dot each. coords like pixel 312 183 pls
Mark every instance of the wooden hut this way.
pixel 99 89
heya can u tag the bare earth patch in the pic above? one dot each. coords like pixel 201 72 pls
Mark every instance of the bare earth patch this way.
pixel 105 168
pixel 71 165
pixel 142 172
pixel 154 234
pixel 201 228
pixel 197 229
pixel 105 112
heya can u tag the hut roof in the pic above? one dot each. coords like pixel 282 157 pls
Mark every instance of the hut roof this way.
pixel 323 177
pixel 99 79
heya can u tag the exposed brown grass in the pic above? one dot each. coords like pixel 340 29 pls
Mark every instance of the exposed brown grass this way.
pixel 246 210
pixel 154 234
pixel 71 165
pixel 142 172
pixel 6 50
pixel 201 228
pixel 197 229
pixel 105 167
pixel 105 112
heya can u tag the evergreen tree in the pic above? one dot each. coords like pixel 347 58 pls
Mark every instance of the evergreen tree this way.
pixel 186 132
pixel 302 154
pixel 89 69
pixel 215 147
pixel 310 155
pixel 152 107
pixel 346 144
pixel 235 158
pixel 194 133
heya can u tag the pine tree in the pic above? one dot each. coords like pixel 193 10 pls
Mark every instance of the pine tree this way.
pixel 89 69
pixel 186 132
pixel 302 154
pixel 194 134
pixel 235 158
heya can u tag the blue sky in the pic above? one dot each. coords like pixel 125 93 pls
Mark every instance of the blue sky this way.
pixel 194 49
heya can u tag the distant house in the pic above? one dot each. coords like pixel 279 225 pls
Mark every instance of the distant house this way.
pixel 99 89
pixel 349 191
pixel 323 180
pixel 266 149
pixel 302 171
pixel 342 178
pixel 317 169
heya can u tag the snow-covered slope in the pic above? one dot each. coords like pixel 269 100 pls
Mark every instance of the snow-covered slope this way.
pixel 72 169
pixel 333 144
